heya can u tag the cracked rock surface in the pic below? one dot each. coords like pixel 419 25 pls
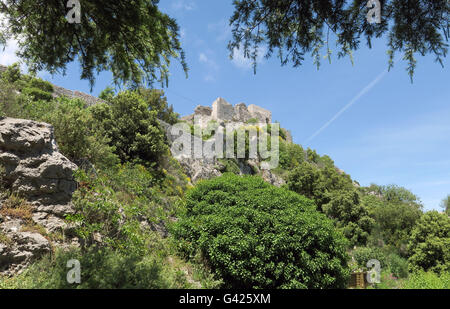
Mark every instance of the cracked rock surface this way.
pixel 32 167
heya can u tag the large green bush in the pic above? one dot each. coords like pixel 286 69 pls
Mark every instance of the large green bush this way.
pixel 317 183
pixel 254 235
pixel 132 127
pixel 430 243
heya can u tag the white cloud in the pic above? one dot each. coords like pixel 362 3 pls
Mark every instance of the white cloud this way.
pixel 240 61
pixel 221 28
pixel 203 58
pixel 8 55
pixel 183 5
pixel 211 66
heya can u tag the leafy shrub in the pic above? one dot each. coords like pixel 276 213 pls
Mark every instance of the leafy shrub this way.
pixel 427 280
pixel 12 73
pixel 37 94
pixel 364 254
pixel 317 183
pixel 430 243
pixel 291 155
pixel 77 133
pixel 41 85
pixel 335 195
pixel 100 269
pixel 395 221
pixel 132 128
pixel 398 266
pixel 8 97
pixel 308 181
pixel 229 166
pixel 349 215
pixel 254 235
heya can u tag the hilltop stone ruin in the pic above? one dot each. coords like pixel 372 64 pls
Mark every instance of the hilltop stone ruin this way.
pixel 223 112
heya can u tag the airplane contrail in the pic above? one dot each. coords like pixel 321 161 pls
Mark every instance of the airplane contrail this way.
pixel 353 101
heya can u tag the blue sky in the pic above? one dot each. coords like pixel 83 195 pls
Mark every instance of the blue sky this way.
pixel 392 131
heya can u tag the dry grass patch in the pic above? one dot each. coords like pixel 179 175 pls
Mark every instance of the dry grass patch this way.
pixel 16 207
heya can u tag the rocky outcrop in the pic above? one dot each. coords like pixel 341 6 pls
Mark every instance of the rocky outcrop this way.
pixel 18 248
pixel 199 169
pixel 33 166
pixel 204 164
pixel 33 169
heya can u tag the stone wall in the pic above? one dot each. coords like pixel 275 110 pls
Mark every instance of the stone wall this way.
pixel 241 113
pixel 89 99
pixel 222 111
pixel 263 115
pixel 59 92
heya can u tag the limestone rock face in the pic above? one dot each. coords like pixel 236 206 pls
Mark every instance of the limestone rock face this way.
pixel 21 249
pixel 206 165
pixel 199 169
pixel 34 168
pixel 31 167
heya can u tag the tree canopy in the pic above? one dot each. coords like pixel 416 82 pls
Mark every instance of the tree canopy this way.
pixel 295 28
pixel 132 39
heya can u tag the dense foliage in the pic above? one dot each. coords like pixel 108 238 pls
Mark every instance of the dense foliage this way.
pixel 295 28
pixel 254 235
pixel 101 269
pixel 430 243
pixel 132 126
pixel 334 194
pixel 134 40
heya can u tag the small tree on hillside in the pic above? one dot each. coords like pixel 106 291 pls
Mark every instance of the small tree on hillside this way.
pixel 430 243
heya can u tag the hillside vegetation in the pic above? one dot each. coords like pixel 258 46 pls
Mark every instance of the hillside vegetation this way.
pixel 141 223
